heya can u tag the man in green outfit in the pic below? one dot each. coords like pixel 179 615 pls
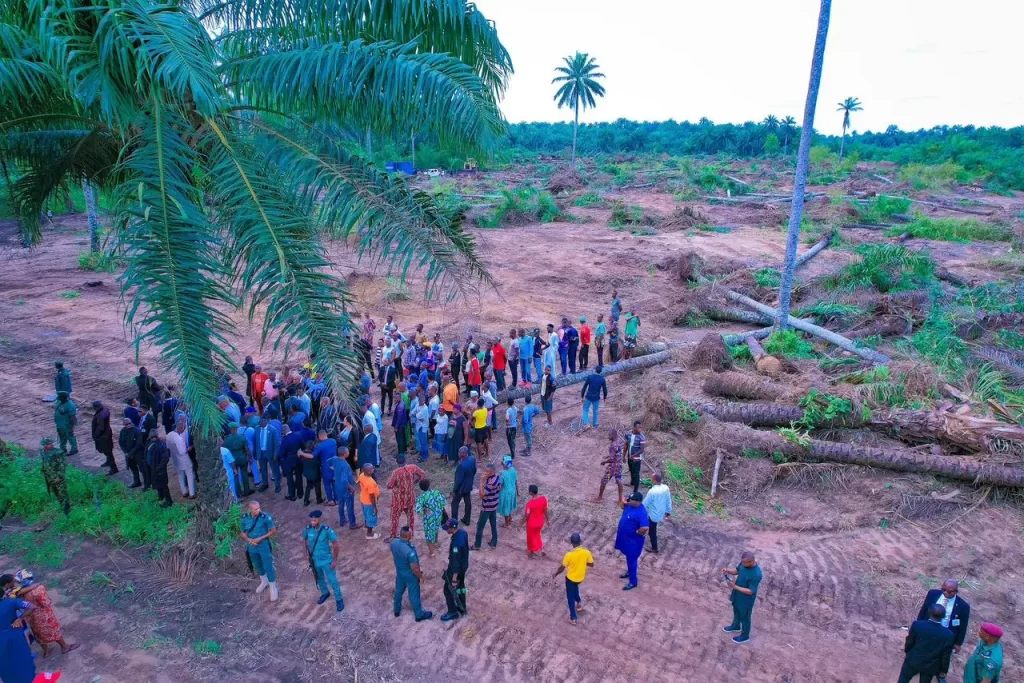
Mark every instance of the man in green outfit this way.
pixel 62 382
pixel 987 661
pixel 632 333
pixel 743 595
pixel 54 469
pixel 322 552
pixel 65 417
pixel 257 529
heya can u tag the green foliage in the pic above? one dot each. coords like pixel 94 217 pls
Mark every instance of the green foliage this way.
pixel 953 230
pixel 772 144
pixel 883 208
pixel 38 550
pixel 820 409
pixel 397 290
pixel 775 457
pixel 795 436
pixel 884 267
pixel 693 319
pixel 1011 339
pixel 930 177
pixel 827 310
pixel 768 277
pixel 789 343
pixel 685 414
pixel 522 205
pixel 99 261
pixel 682 478
pixel 589 199
pixel 70 294
pixel 626 215
pixel 206 647
pixel 226 531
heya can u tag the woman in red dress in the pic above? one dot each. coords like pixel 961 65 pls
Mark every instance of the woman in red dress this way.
pixel 535 519
pixel 42 620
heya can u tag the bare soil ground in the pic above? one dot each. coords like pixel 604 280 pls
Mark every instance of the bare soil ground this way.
pixel 846 560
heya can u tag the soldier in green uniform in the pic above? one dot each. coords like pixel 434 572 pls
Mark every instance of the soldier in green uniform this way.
pixel 408 574
pixel 322 551
pixel 257 529
pixel 54 469
pixel 62 382
pixel 65 417
pixel 987 661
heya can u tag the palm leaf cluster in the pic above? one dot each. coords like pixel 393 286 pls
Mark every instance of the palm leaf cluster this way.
pixel 213 126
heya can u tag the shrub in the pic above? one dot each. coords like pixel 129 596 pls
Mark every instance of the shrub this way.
pixel 624 215
pixel 789 343
pixel 590 199
pixel 885 267
pixel 768 277
pixel 923 177
pixel 70 294
pixel 99 261
pixel 953 230
pixel 884 208
pixel 522 205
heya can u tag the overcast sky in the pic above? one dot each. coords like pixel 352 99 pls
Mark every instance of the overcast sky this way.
pixel 915 63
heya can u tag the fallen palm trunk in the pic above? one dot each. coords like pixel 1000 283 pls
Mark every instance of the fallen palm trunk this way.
pixel 735 438
pixel 960 430
pixel 734 315
pixel 814 251
pixel 738 385
pixel 884 327
pixel 1004 361
pixel 821 332
pixel 639 363
pixel 763 363
pixel 867 226
pixel 952 279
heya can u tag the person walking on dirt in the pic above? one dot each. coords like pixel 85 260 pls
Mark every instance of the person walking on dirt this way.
pixel 547 393
pixel 599 338
pixel 402 485
pixel 616 308
pixel 132 443
pixel 612 465
pixel 743 595
pixel 369 494
pixel 465 474
pixel 629 539
pixel 103 436
pixel 586 336
pixel 257 530
pixel 148 390
pixel 658 502
pixel 529 412
pixel 62 380
pixel 576 562
pixel 928 647
pixel 636 444
pixel 322 553
pixel 632 332
pixel 490 492
pixel 65 418
pixel 407 574
pixel 54 473
pixel 455 573
pixel 595 387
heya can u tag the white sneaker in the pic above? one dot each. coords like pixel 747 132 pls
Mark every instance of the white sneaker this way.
pixel 263 584
pixel 273 591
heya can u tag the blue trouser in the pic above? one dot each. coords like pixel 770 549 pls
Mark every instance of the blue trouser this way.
pixel 741 618
pixel 563 359
pixel 593 406
pixel 329 489
pixel 528 433
pixel 325 576
pixel 524 369
pixel 631 563
pixel 572 594
pixel 408 581
pixel 347 502
pixel 499 379
pixel 441 443
pixel 421 444
pixel 275 471
pixel 487 516
pixel 263 561
pixel 538 367
pixel 254 467
pixel 574 352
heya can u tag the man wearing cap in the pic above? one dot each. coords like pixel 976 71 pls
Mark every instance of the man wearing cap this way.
pixel 407 574
pixel 257 530
pixel 62 381
pixel 957 612
pixel 455 574
pixel 629 540
pixel 985 665
pixel 586 336
pixel 576 562
pixel 65 418
pixel 322 553
pixel 927 647
pixel 103 435
pixel 54 469
pixel 743 595
pixel 132 443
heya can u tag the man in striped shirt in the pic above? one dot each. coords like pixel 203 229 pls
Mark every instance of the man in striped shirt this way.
pixel 490 488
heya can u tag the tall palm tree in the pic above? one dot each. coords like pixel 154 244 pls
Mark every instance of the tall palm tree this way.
pixel 846 106
pixel 208 123
pixel 771 122
pixel 788 125
pixel 579 85
pixel 803 157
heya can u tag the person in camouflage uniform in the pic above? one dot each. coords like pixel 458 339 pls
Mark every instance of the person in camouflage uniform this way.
pixel 65 417
pixel 54 469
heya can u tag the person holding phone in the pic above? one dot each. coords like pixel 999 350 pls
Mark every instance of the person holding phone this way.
pixel 743 594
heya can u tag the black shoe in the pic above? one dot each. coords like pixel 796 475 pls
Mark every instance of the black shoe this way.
pixel 277 489
pixel 135 485
pixel 624 576
pixel 262 488
pixel 425 616
pixel 450 616
pixel 305 503
pixel 731 629
pixel 167 504
pixel 629 587
pixel 323 598
pixel 398 614
pixel 341 605
pixel 291 498
pixel 465 522
pixel 74 452
pixel 112 471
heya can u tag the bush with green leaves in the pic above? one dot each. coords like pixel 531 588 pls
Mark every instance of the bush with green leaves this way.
pixel 768 277
pixel 953 230
pixel 522 205
pixel 789 343
pixel 99 262
pixel 884 267
pixel 627 215
pixel 883 208
pixel 589 199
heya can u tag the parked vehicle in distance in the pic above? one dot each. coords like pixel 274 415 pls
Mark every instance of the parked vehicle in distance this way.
pixel 434 172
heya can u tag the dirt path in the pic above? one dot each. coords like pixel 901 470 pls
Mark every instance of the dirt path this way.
pixel 831 606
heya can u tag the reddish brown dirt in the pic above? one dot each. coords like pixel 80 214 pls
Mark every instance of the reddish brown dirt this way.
pixel 840 583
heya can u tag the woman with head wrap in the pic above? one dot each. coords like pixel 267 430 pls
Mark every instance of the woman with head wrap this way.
pixel 509 496
pixel 42 620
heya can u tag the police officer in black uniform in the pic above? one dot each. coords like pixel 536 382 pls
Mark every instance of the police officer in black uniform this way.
pixel 455 574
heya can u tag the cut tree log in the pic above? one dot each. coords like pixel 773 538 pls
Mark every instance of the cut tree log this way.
pixel 736 180
pixel 809 328
pixel 882 178
pixel 901 218
pixel 948 207
pixel 902 238
pixel 952 279
pixel 867 226
pixel 820 246
pixel 763 363
pixel 739 385
pixel 638 363
pixel 734 315
pixel 713 435
pixel 886 326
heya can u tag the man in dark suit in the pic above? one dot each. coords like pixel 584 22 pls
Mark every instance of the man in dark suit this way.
pixel 957 612
pixel 387 379
pixel 928 647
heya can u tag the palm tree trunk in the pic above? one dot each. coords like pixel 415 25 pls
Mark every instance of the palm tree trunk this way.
pixel 803 158
pixel 842 144
pixel 212 482
pixel 90 212
pixel 575 130
pixel 26 235
pixel 640 363
pixel 740 385
pixel 412 140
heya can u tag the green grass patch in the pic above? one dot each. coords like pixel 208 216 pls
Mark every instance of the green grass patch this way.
pixel 70 294
pixel 589 200
pixel 776 457
pixel 520 206
pixel 885 268
pixel 99 262
pixel 206 647
pixel 627 215
pixel 1011 339
pixel 683 478
pixel 953 230
pixel 768 277
pixel 38 549
pixel 883 208
pixel 789 343
pixel 827 310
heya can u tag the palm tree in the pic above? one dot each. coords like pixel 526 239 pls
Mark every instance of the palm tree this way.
pixel 209 125
pixel 90 215
pixel 579 85
pixel 846 106
pixel 770 122
pixel 803 156
pixel 788 125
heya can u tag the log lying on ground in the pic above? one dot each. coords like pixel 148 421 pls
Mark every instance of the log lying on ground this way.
pixel 814 251
pixel 734 315
pixel 763 363
pixel 735 437
pixel 951 428
pixel 952 279
pixel 885 326
pixel 867 226
pixel 821 332
pixel 639 363
pixel 739 385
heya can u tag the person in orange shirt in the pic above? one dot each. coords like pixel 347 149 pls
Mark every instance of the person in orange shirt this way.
pixel 369 492
pixel 259 379
pixel 586 336
pixel 451 394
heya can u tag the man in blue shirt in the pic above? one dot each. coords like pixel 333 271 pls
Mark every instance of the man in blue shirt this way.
pixel 325 450
pixel 407 574
pixel 743 594
pixel 465 474
pixel 629 539
pixel 529 412
pixel 267 451
pixel 595 387
pixel 257 530
pixel 322 553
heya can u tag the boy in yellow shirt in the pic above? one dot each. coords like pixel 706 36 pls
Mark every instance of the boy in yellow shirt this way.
pixel 482 431
pixel 575 562
pixel 369 492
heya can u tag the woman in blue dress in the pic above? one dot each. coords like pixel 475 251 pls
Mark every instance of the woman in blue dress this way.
pixel 16 663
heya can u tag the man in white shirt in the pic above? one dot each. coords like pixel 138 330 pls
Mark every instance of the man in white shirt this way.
pixel 177 443
pixel 658 502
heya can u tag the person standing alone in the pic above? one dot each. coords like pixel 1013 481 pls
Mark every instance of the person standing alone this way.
pixel 575 563
pixel 257 530
pixel 595 387
pixel 322 553
pixel 658 502
pixel 743 595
